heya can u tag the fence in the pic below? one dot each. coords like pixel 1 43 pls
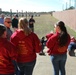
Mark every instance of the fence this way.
pixel 68 16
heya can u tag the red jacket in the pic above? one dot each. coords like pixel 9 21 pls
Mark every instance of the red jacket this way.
pixel 27 46
pixel 7 54
pixel 49 35
pixel 73 40
pixel 54 47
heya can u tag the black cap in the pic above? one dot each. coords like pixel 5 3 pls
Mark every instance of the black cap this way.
pixel 16 15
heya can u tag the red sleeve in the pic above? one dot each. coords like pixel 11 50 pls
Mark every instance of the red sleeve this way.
pixel 13 52
pixel 51 41
pixel 14 40
pixel 37 44
pixel 49 35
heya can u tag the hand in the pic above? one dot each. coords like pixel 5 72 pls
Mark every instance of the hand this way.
pixel 49 52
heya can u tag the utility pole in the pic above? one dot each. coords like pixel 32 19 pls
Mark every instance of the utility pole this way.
pixel 69 3
pixel 75 4
pixel 63 7
pixel 66 5
pixel 0 10
pixel 11 13
pixel 22 13
pixel 17 12
pixel 26 14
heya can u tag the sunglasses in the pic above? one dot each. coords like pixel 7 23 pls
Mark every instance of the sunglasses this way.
pixel 8 21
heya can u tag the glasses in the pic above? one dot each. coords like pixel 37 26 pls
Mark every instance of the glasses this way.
pixel 8 21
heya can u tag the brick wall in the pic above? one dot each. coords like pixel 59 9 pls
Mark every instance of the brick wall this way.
pixel 68 16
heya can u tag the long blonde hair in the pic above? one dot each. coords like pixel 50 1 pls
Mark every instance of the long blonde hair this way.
pixel 23 25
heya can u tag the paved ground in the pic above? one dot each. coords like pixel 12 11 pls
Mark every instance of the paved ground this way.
pixel 44 67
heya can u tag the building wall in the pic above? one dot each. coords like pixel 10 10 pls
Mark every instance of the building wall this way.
pixel 68 16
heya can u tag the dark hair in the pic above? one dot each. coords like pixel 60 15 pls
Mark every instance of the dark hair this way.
pixel 2 29
pixel 63 35
pixel 15 15
pixel 32 16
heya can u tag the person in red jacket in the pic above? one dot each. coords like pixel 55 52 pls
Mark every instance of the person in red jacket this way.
pixel 72 46
pixel 8 53
pixel 28 44
pixel 57 45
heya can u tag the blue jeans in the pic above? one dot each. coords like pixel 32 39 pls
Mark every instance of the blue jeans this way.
pixel 27 68
pixel 71 48
pixel 58 62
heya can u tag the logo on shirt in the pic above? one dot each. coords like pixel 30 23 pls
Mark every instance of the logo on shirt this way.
pixel 22 49
pixel 62 49
pixel 1 61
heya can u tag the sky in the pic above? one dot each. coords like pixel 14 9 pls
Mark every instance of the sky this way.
pixel 34 5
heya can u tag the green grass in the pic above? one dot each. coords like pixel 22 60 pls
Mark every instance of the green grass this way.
pixel 71 31
pixel 45 23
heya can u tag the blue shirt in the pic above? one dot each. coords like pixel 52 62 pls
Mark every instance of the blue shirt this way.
pixel 1 20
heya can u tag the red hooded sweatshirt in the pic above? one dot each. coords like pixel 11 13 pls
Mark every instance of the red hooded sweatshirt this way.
pixel 7 54
pixel 54 47
pixel 27 46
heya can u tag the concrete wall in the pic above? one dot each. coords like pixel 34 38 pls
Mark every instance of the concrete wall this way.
pixel 68 16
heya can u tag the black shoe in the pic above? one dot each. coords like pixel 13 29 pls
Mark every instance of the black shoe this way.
pixel 41 53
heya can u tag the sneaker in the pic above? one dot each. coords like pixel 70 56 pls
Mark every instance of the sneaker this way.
pixel 41 53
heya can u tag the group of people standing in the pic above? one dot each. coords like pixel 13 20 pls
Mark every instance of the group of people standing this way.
pixel 15 22
pixel 18 53
pixel 18 49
